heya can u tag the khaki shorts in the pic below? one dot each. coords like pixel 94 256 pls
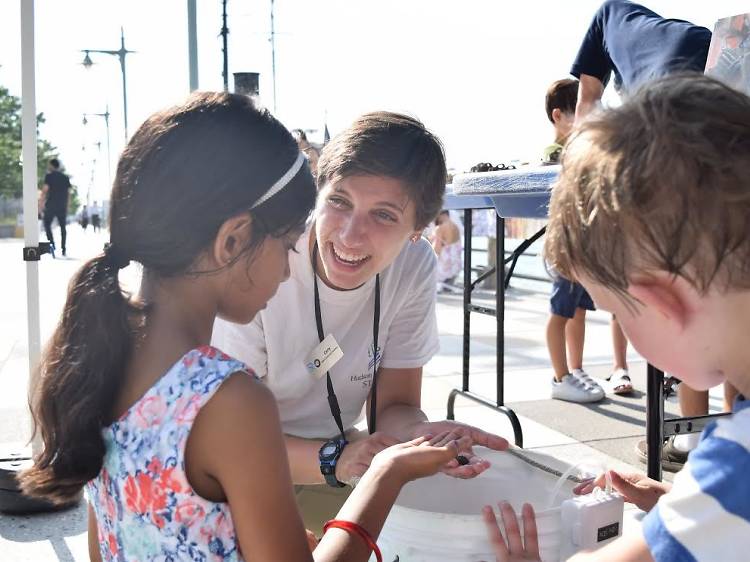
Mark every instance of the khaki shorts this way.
pixel 318 503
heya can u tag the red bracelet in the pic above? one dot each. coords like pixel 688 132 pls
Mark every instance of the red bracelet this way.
pixel 350 527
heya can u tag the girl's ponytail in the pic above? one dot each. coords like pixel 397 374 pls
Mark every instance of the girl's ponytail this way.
pixel 186 171
pixel 81 375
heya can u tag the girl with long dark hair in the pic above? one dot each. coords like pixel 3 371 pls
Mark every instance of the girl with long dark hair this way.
pixel 179 446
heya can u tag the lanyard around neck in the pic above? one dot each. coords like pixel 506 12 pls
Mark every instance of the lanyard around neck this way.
pixel 333 402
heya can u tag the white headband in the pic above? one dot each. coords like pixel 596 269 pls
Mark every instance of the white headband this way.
pixel 282 181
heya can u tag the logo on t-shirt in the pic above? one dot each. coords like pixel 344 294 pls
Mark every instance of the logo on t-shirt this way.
pixel 366 378
pixel 370 356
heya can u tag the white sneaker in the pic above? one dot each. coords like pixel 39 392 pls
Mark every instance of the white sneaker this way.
pixel 587 379
pixel 574 389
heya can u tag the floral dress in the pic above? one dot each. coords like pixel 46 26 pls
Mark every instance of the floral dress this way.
pixel 146 510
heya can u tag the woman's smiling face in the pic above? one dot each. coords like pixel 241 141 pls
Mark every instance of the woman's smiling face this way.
pixel 361 224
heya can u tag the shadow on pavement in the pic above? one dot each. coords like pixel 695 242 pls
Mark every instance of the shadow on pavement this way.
pixel 52 527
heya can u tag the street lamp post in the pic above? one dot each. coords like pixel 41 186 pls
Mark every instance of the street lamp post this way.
pixel 121 52
pixel 98 146
pixel 225 49
pixel 105 115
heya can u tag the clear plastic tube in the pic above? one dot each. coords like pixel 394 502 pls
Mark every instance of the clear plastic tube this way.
pixel 569 472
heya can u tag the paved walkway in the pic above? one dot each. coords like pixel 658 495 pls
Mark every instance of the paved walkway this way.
pixel 602 434
pixel 48 537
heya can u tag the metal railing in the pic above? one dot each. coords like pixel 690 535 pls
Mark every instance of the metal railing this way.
pixel 528 277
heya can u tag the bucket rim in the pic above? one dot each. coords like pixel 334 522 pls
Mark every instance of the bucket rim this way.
pixel 467 517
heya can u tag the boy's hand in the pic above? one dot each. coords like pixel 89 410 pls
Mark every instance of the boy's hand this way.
pixel 636 488
pixel 515 549
pixel 422 456
pixel 470 436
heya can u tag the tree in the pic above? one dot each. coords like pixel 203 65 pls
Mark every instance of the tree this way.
pixel 11 178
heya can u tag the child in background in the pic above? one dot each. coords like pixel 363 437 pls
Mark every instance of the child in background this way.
pixel 560 105
pixel 651 216
pixel 446 241
pixel 569 302
pixel 178 445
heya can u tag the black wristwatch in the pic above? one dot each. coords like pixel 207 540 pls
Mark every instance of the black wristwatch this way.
pixel 328 455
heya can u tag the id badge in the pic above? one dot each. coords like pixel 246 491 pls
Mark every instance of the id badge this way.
pixel 325 355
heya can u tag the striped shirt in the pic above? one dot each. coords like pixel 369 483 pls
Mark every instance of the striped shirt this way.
pixel 706 515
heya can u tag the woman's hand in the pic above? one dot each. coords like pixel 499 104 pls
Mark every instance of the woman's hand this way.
pixel 515 549
pixel 357 455
pixel 635 488
pixel 470 436
pixel 420 457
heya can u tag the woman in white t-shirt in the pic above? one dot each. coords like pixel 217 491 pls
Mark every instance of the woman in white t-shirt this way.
pixel 380 182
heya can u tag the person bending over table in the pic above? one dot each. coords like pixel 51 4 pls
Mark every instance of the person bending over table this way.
pixel 363 283
pixel 637 45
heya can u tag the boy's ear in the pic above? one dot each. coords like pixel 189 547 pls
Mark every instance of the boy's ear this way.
pixel 556 115
pixel 232 239
pixel 665 295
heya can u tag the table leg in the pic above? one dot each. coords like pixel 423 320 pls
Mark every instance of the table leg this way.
pixel 467 298
pixel 654 420
pixel 500 308
pixel 500 329
pixel 467 316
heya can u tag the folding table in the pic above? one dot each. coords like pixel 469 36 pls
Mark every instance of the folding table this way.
pixel 524 193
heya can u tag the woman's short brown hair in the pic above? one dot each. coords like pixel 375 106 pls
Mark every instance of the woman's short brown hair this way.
pixel 390 145
pixel 660 183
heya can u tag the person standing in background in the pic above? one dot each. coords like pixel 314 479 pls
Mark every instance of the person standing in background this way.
pixel 566 327
pixel 311 152
pixel 96 216
pixel 446 241
pixel 638 45
pixel 55 193
pixel 84 218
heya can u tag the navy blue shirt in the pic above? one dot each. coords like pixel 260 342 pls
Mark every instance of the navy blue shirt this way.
pixel 639 45
pixel 57 195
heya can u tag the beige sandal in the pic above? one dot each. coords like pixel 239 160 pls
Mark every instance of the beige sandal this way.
pixel 620 381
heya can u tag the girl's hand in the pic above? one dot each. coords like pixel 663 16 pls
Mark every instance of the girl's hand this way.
pixel 312 540
pixel 635 488
pixel 420 457
pixel 471 436
pixel 515 549
pixel 358 454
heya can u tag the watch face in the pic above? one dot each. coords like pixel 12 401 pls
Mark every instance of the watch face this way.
pixel 329 450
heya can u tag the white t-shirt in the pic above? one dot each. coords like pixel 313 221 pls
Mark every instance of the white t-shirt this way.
pixel 282 336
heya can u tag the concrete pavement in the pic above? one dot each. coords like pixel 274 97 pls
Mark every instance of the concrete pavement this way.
pixel 54 536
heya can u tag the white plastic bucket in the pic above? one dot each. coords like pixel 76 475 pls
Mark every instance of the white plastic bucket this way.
pixel 438 519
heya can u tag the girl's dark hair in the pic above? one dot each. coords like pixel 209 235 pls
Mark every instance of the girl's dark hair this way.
pixel 183 174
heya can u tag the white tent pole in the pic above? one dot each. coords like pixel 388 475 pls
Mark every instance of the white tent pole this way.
pixel 30 203
pixel 192 45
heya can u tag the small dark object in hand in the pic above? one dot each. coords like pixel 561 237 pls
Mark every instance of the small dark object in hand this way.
pixel 462 460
